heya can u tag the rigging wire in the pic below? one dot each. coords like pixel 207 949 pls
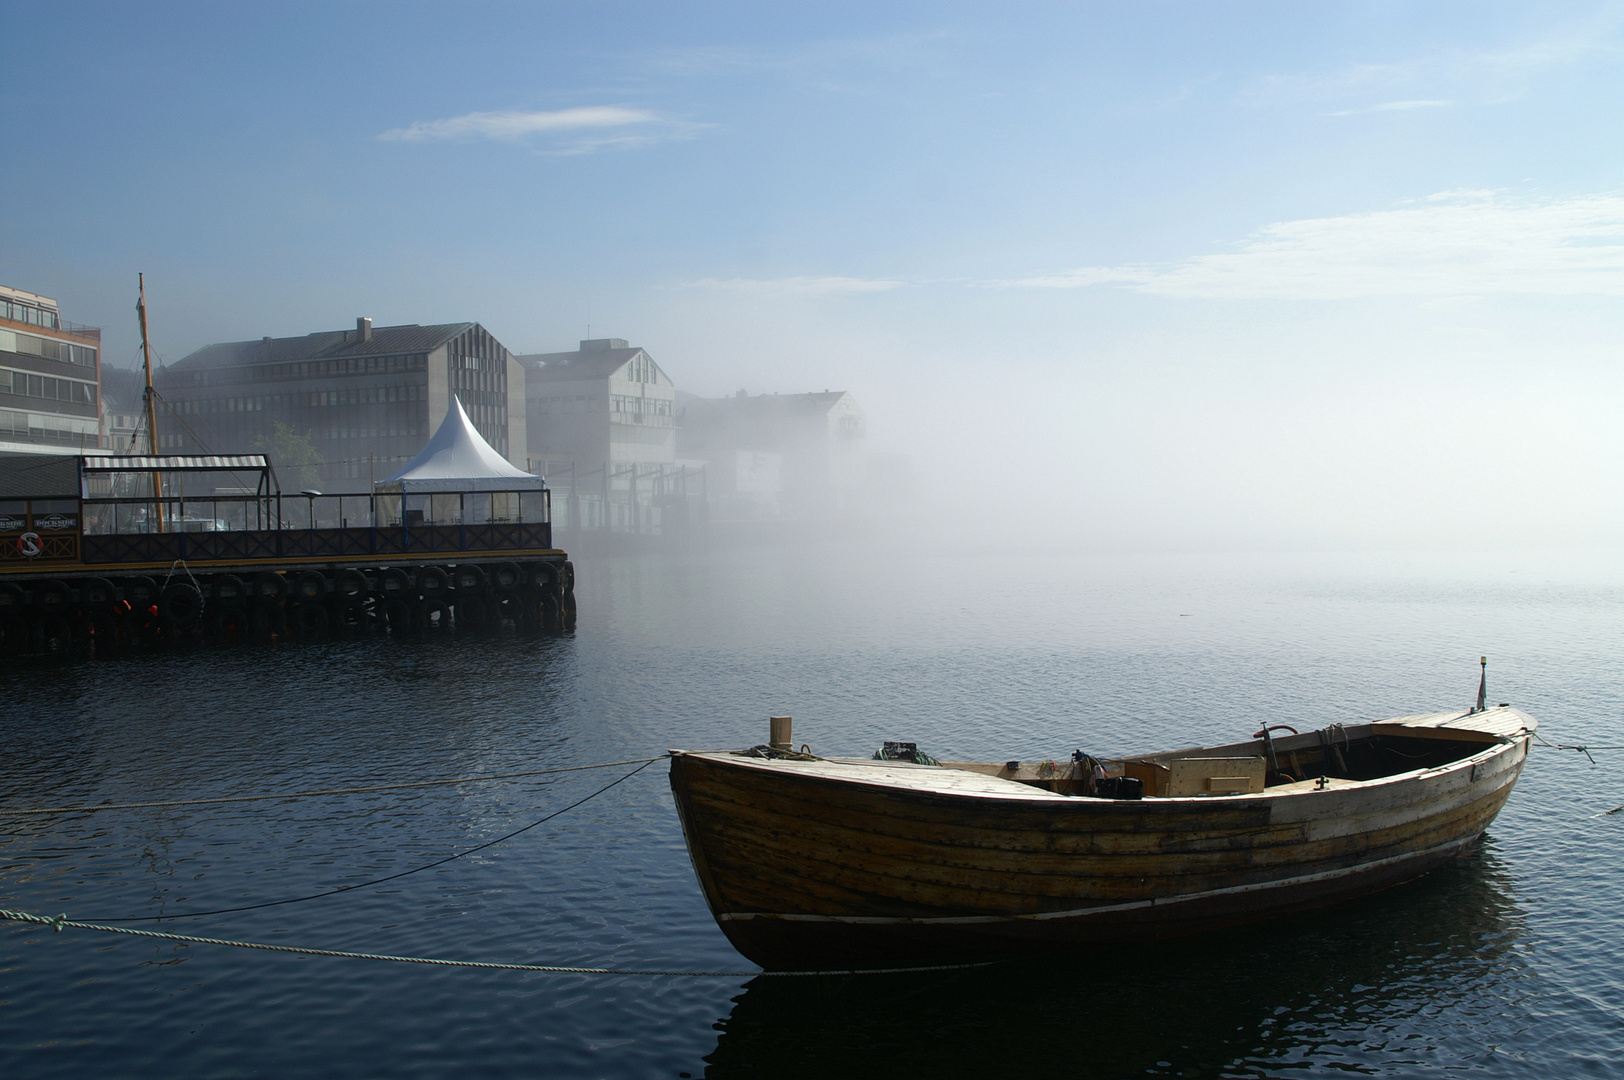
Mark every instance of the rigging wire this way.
pixel 389 877
pixel 321 791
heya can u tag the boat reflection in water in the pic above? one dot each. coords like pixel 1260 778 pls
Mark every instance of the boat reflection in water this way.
pixel 1345 987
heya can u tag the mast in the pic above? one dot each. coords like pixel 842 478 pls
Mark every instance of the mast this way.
pixel 151 399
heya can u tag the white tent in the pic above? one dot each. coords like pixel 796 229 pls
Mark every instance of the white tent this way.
pixel 457 458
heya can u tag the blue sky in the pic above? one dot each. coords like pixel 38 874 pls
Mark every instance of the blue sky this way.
pixel 1224 273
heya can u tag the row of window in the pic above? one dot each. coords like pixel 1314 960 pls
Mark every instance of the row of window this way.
pixel 353 395
pixel 415 429
pixel 11 309
pixel 49 348
pixel 390 430
pixel 307 369
pixel 630 403
pixel 490 381
pixel 49 426
pixel 27 384
pixel 581 403
pixel 641 370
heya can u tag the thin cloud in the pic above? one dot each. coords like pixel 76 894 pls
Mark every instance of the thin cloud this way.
pixel 1438 79
pixel 1450 244
pixel 577 130
pixel 1397 106
pixel 803 286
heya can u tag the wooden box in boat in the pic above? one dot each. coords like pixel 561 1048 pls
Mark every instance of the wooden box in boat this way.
pixel 817 862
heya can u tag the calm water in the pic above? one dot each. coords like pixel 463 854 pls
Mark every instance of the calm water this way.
pixel 1507 963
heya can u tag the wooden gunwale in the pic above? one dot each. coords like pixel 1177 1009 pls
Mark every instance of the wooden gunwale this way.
pixel 770 857
pixel 773 841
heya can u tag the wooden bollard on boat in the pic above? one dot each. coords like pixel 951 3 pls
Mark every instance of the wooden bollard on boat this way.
pixel 778 736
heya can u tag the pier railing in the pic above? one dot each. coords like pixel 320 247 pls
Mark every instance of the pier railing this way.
pixel 314 544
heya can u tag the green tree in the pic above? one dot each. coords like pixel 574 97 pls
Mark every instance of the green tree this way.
pixel 297 464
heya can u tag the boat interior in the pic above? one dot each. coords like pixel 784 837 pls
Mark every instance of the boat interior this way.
pixel 1278 760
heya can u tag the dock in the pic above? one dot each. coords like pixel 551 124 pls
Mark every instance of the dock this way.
pixel 102 553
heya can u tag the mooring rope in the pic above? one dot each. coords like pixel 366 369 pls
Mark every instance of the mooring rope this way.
pixel 1583 748
pixel 62 921
pixel 320 791
pixel 391 877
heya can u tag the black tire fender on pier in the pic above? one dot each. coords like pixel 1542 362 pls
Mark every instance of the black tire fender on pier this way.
pixel 98 594
pixel 397 617
pixel 433 615
pixel 505 577
pixel 350 614
pixel 230 590
pixel 229 622
pixel 309 585
pixel 310 619
pixel 55 632
pixel 268 621
pixel 471 614
pixel 352 583
pixel 569 610
pixel 394 582
pixel 13 633
pixel 566 576
pixel 269 588
pixel 12 599
pixel 433 583
pixel 544 577
pixel 142 593
pixel 181 606
pixel 471 579
pixel 102 629
pixel 551 612
pixel 52 595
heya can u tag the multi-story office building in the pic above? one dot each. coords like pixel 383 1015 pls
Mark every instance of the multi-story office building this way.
pixel 50 376
pixel 365 398
pixel 606 403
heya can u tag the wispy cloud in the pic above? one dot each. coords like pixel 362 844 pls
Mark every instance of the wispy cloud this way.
pixel 575 130
pixel 1397 106
pixel 1437 79
pixel 805 286
pixel 1451 244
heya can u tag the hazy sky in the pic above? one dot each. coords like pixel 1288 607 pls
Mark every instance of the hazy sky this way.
pixel 1298 273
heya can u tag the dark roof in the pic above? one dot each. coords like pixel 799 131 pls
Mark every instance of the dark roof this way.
pixel 760 404
pixel 560 366
pixel 324 345
pixel 122 389
pixel 39 476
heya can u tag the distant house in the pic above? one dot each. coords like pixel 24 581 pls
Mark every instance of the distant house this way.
pixel 776 454
pixel 607 403
pixel 123 409
pixel 363 397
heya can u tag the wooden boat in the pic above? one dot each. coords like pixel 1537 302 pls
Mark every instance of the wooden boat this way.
pixel 811 862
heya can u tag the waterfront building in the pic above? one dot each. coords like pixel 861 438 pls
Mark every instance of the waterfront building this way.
pixel 772 455
pixel 364 398
pixel 123 410
pixel 607 403
pixel 50 377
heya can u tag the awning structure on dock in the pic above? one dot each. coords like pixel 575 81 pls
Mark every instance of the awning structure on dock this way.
pixel 457 458
pixel 39 476
pixel 176 463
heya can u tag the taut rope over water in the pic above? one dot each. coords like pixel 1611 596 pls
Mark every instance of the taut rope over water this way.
pixel 61 921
